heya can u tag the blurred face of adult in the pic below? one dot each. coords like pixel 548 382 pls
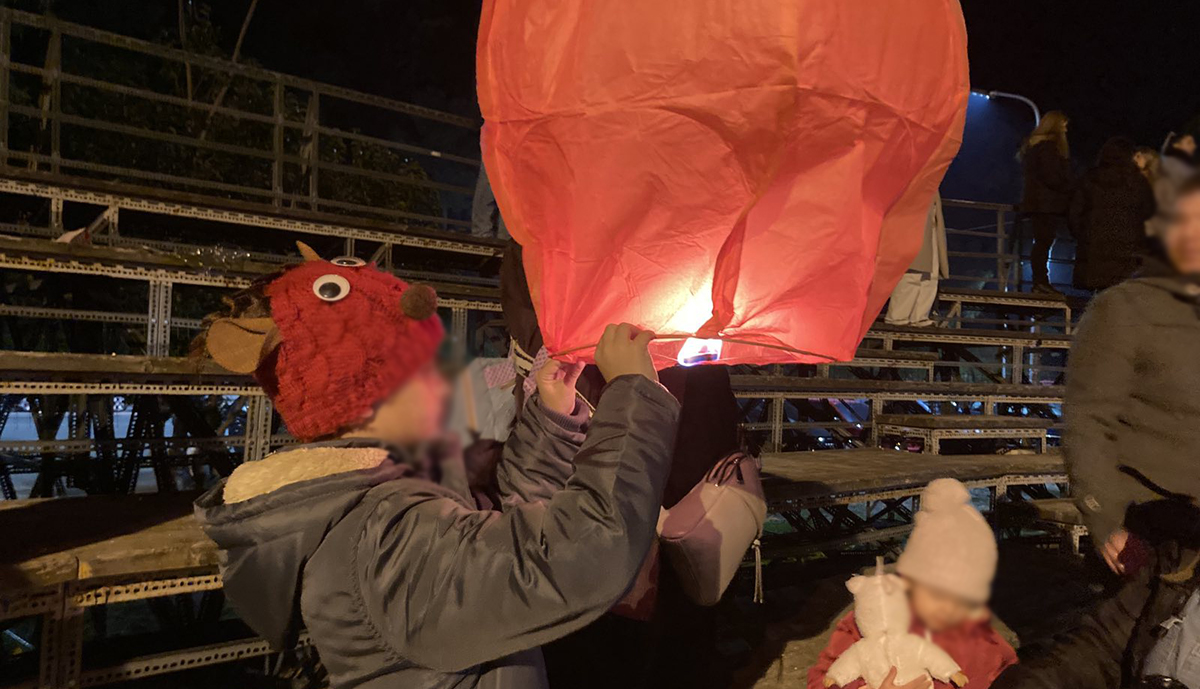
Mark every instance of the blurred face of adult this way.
pixel 1182 238
pixel 1187 144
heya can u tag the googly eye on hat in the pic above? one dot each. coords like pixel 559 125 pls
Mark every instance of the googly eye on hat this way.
pixel 348 262
pixel 331 288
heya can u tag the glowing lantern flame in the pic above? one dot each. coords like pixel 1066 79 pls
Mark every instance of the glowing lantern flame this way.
pixel 697 351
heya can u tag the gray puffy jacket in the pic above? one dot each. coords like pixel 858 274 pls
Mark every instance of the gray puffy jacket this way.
pixel 402 582
pixel 1133 414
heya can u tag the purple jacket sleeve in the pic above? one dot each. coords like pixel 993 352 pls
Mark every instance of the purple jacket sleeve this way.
pixel 539 454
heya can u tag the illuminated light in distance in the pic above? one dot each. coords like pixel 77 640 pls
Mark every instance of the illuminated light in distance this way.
pixel 697 351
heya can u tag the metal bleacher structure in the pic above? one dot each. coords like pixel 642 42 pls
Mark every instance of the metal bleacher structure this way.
pixel 109 263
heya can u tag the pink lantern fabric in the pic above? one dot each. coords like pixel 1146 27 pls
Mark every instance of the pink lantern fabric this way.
pixel 755 171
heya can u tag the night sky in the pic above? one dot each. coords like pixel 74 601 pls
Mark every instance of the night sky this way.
pixel 1115 66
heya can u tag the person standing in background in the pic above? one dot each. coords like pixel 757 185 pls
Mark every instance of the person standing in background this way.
pixel 1133 427
pixel 1149 162
pixel 1132 418
pixel 1108 217
pixel 913 298
pixel 1046 159
pixel 486 221
pixel 1176 166
pixel 1179 158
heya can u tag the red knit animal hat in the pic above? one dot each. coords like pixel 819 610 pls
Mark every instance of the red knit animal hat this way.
pixel 341 337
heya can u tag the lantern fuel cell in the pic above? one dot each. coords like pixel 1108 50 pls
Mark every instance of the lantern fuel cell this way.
pixel 697 351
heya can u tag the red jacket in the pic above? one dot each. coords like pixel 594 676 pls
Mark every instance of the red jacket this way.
pixel 976 647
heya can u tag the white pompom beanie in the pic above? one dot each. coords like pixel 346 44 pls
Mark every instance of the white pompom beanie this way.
pixel 952 547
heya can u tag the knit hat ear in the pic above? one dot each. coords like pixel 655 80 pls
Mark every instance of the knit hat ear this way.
pixel 240 344
pixel 855 584
pixel 419 302
pixel 307 252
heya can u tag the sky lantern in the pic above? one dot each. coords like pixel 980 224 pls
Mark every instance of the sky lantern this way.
pixel 748 179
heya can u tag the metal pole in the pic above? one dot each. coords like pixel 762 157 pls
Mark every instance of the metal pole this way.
pixel 258 428
pixel 777 417
pixel 54 67
pixel 5 51
pixel 1037 113
pixel 458 330
pixel 158 326
pixel 277 147
pixel 312 124
pixel 1001 263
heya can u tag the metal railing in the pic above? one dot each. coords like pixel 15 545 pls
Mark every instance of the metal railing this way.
pixel 988 242
pixel 77 101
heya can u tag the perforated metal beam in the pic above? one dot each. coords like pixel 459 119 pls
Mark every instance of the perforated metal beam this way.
pixel 28 387
pixel 176 661
pixel 57 195
pixel 10 260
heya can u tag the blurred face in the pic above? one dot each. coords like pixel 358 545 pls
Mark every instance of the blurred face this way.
pixel 1187 144
pixel 1182 238
pixel 1141 159
pixel 938 610
pixel 413 414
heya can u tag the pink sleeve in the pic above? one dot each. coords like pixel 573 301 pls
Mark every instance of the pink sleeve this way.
pixel 1006 657
pixel 844 636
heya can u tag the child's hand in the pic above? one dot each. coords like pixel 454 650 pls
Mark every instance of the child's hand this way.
pixel 623 350
pixel 556 385
pixel 889 682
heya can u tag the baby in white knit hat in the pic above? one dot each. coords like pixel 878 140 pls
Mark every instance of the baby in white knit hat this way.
pixel 948 563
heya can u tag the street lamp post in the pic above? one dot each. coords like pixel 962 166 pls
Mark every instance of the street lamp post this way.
pixel 1037 113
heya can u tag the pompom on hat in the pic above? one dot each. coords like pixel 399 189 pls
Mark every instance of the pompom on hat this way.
pixel 952 548
pixel 339 337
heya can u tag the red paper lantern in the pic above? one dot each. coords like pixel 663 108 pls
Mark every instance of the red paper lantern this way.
pixel 756 171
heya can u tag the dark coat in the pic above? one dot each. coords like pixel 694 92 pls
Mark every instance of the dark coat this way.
pixel 1047 180
pixel 1108 647
pixel 1132 403
pixel 678 646
pixel 402 582
pixel 1108 217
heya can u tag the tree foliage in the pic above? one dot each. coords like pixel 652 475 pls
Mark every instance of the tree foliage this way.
pixel 186 138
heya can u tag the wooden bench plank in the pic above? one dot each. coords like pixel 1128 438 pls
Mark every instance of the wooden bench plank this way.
pixel 52 541
pixel 990 295
pixel 818 476
pixel 964 421
pixel 858 386
pixel 1058 511
pixel 1003 338
pixel 91 364
pixel 898 354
